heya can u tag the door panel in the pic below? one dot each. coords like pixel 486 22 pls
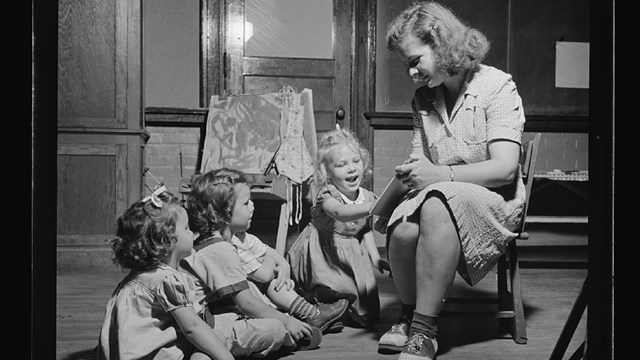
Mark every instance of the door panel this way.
pixel 328 77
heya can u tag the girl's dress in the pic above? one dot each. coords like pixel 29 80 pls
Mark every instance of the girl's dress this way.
pixel 329 253
pixel 488 108
pixel 138 322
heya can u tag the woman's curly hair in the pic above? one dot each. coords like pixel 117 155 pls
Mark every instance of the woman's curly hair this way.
pixel 212 198
pixel 333 140
pixel 145 233
pixel 456 46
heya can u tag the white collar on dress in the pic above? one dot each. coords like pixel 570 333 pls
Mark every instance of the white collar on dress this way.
pixel 358 200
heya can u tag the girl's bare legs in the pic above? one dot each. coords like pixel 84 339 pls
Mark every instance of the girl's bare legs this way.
pixel 282 298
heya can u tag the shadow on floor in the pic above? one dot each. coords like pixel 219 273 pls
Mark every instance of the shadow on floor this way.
pixel 89 354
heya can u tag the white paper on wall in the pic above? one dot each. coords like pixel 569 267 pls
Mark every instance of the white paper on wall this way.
pixel 572 64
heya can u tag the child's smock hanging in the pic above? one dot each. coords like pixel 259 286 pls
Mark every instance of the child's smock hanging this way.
pixel 292 159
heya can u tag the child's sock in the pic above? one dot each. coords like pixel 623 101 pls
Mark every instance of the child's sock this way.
pixel 302 309
pixel 424 324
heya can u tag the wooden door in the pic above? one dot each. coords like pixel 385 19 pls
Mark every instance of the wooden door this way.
pixel 262 55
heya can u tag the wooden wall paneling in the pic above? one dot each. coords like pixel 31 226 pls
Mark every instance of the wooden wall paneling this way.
pixel 343 53
pixel 98 179
pixel 212 57
pixel 234 47
pixel 99 60
pixel 86 67
pixel 89 182
pixel 363 75
pixel 131 76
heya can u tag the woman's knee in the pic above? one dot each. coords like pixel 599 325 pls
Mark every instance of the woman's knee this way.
pixel 434 213
pixel 404 234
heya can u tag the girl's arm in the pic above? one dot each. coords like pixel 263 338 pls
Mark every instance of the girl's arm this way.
pixel 345 212
pixel 369 243
pixel 282 269
pixel 266 272
pixel 200 334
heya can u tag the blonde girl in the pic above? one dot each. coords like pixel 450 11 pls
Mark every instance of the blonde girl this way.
pixel 334 256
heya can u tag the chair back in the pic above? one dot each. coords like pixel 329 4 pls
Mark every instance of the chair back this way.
pixel 528 170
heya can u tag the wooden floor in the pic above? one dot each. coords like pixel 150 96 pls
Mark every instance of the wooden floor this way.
pixel 549 295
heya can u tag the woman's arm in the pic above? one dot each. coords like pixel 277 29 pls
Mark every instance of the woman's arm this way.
pixel 200 334
pixel 499 170
pixel 345 212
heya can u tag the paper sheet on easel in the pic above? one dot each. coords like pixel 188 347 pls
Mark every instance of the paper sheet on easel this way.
pixel 572 64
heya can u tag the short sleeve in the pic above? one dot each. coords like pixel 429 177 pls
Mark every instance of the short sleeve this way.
pixel 255 245
pixel 505 114
pixel 176 290
pixel 324 194
pixel 327 192
pixel 220 268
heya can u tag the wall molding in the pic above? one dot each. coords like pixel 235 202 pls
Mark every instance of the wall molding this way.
pixel 534 123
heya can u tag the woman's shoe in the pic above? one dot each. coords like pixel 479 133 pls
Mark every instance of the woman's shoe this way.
pixel 419 347
pixel 394 340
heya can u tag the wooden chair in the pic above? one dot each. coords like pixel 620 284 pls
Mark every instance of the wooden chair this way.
pixel 509 295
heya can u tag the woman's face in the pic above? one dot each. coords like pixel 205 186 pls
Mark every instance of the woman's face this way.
pixel 345 168
pixel 242 210
pixel 420 61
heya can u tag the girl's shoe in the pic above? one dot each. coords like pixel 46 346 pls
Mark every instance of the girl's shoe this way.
pixel 419 347
pixel 327 314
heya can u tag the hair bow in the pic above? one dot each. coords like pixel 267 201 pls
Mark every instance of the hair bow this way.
pixel 154 196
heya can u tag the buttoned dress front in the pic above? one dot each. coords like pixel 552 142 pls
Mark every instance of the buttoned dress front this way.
pixel 488 109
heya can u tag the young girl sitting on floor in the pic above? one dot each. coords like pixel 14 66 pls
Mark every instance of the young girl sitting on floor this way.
pixel 333 256
pixel 224 197
pixel 152 313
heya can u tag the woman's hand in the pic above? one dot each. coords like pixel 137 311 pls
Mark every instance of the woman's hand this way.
pixel 418 172
pixel 381 224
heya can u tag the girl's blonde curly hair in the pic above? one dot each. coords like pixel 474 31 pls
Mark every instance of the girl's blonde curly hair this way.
pixel 335 139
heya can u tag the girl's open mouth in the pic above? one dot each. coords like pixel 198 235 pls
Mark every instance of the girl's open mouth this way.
pixel 352 179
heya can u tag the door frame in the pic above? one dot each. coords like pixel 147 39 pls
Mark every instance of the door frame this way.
pixel 361 46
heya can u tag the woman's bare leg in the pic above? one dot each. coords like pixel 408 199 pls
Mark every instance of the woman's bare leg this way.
pixel 402 260
pixel 438 251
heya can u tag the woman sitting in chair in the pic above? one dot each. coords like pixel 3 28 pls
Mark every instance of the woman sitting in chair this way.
pixel 466 193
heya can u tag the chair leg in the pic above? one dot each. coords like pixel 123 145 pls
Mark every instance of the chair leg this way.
pixel 519 322
pixel 504 301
